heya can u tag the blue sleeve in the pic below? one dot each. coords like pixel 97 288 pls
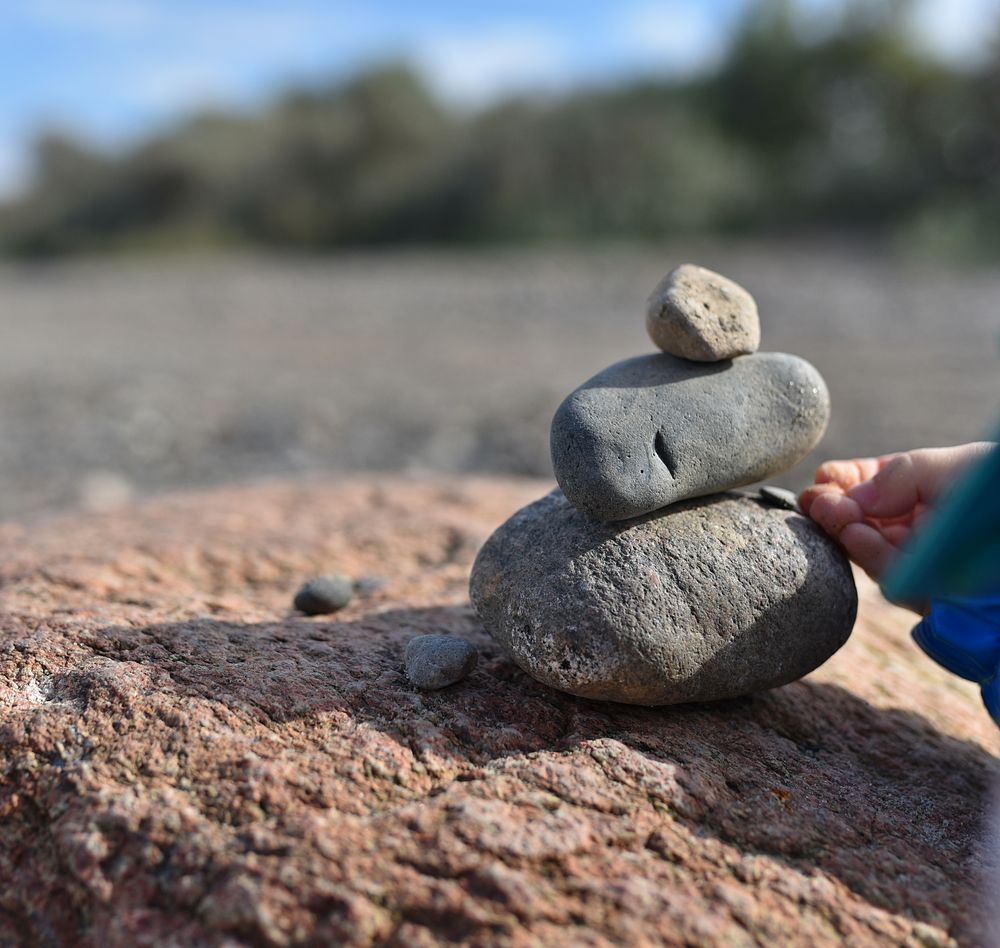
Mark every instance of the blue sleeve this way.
pixel 962 633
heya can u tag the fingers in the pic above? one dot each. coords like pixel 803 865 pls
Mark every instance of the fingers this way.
pixel 846 474
pixel 912 478
pixel 834 510
pixel 872 505
pixel 869 548
pixel 810 494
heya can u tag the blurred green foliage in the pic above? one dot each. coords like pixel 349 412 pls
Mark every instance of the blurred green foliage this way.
pixel 854 130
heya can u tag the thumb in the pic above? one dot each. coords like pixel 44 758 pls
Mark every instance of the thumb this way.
pixel 915 477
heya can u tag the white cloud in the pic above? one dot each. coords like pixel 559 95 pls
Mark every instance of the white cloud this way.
pixel 228 29
pixel 107 17
pixel 214 55
pixel 258 33
pixel 475 67
pixel 958 31
pixel 171 86
pixel 674 36
pixel 682 36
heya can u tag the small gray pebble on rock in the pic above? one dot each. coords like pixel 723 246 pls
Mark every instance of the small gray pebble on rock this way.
pixel 779 497
pixel 324 594
pixel 655 429
pixel 697 314
pixel 436 661
pixel 367 585
pixel 710 599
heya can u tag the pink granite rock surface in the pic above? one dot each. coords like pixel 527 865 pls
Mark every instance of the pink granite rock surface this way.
pixel 183 761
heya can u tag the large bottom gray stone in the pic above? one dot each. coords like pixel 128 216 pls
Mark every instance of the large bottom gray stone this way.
pixel 713 598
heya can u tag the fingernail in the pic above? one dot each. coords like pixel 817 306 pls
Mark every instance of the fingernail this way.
pixel 864 494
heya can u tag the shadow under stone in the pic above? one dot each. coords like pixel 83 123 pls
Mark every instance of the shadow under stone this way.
pixel 809 774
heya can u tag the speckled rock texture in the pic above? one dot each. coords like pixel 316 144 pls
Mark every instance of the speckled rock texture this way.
pixel 695 313
pixel 653 430
pixel 184 763
pixel 709 599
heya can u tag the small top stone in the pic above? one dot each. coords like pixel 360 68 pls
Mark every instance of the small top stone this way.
pixel 703 316
pixel 324 594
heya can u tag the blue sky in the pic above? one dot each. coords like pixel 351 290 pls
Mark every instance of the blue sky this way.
pixel 113 70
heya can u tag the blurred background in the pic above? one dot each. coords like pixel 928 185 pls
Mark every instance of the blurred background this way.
pixel 244 238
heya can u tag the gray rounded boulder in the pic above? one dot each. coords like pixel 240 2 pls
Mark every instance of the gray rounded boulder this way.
pixel 710 599
pixel 654 430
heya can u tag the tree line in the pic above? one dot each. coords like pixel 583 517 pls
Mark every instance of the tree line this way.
pixel 856 130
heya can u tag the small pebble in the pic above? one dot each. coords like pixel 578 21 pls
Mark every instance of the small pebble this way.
pixel 324 594
pixel 367 585
pixel 779 497
pixel 703 316
pixel 436 661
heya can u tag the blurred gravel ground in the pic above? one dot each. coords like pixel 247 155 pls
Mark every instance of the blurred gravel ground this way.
pixel 132 376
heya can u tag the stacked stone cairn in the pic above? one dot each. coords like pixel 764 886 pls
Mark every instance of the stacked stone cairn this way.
pixel 645 578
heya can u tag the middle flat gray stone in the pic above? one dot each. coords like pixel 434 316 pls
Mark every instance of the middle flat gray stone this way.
pixel 655 429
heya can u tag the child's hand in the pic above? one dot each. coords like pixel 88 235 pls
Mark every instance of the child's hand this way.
pixel 871 505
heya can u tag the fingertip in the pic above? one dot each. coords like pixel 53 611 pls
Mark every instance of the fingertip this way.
pixel 833 511
pixel 892 492
pixel 846 473
pixel 868 548
pixel 809 495
pixel 840 473
pixel 824 473
pixel 865 495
